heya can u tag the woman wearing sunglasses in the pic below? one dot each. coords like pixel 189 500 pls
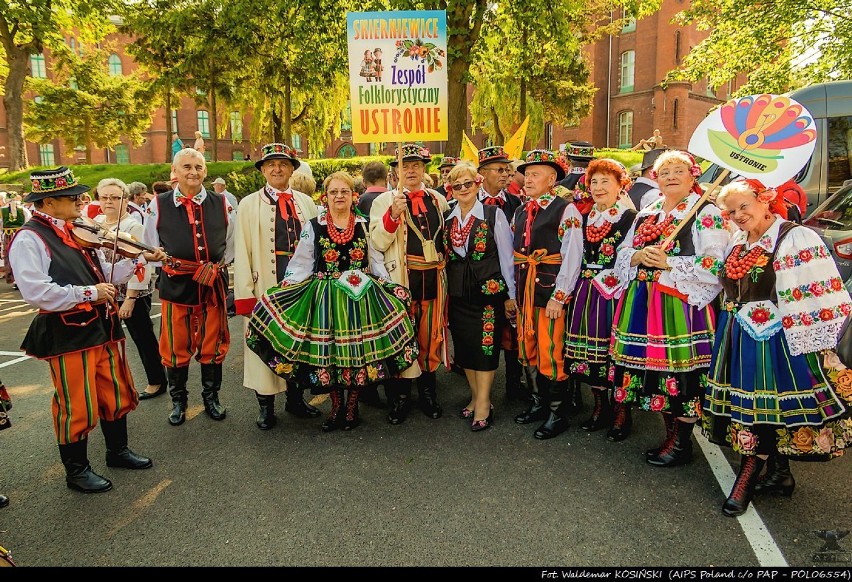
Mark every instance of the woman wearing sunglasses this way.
pixel 481 288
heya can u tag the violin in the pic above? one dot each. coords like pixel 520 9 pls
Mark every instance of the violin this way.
pixel 93 236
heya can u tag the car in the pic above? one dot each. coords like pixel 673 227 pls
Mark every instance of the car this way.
pixel 832 220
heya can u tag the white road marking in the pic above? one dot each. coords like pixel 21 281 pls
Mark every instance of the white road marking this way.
pixel 767 551
pixel 15 361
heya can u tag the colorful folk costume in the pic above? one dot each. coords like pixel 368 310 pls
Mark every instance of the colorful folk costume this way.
pixel 548 245
pixel 767 394
pixel 590 313
pixel 12 217
pixel 664 321
pixel 331 324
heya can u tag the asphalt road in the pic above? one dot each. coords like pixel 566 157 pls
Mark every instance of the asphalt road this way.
pixel 425 493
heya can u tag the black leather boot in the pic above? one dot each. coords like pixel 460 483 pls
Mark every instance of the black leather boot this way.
pixel 622 423
pixel 778 478
pixel 335 418
pixel 211 382
pixel 399 394
pixel 743 490
pixel 78 472
pixel 574 399
pixel 296 404
pixel 537 409
pixel 352 417
pixel 515 388
pixel 556 423
pixel 601 413
pixel 266 419
pixel 678 451
pixel 4 501
pixel 177 390
pixel 669 422
pixel 427 388
pixel 370 396
pixel 117 453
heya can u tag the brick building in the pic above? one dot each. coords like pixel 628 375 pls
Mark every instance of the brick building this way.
pixel 630 104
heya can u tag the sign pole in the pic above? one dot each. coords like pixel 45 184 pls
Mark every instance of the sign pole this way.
pixel 399 166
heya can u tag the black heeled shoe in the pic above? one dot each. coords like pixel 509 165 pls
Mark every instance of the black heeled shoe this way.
pixel 148 395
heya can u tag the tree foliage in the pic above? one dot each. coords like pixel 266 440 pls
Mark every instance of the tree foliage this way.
pixel 779 44
pixel 85 106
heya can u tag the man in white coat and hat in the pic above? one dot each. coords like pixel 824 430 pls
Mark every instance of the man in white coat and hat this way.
pixel 269 226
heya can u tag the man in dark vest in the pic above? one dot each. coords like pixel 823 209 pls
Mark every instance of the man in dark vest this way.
pixel 196 230
pixel 77 330
pixel 496 171
pixel 447 164
pixel 12 217
pixel 645 189
pixel 548 253
pixel 579 153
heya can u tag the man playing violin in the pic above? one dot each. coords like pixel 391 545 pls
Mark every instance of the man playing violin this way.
pixel 77 330
pixel 196 229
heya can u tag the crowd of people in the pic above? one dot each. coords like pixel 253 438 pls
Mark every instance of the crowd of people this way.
pixel 705 309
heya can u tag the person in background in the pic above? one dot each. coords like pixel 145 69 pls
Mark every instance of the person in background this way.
pixel 548 251
pixel 579 154
pixel 198 231
pixel 664 322
pixel 304 183
pixel 447 164
pixel 645 190
pixel 767 395
pixel 158 188
pixel 590 313
pixel 375 176
pixel 93 206
pixel 480 288
pixel 199 142
pixel 177 145
pixel 77 330
pixel 137 194
pixel 262 256
pixel 393 179
pixel 133 297
pixel 334 332
pixel 516 183
pixel 220 187
pixel 12 217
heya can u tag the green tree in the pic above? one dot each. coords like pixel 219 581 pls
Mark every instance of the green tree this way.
pixel 27 27
pixel 780 44
pixel 85 106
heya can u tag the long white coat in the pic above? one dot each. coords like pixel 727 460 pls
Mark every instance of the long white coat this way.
pixel 254 273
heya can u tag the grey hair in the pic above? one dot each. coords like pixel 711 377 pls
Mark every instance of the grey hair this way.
pixel 136 188
pixel 188 152
pixel 112 182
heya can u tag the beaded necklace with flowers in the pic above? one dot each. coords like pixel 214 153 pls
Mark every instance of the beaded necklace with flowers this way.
pixel 740 262
pixel 597 233
pixel 344 236
pixel 459 235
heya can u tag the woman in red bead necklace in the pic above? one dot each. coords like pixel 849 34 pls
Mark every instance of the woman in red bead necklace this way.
pixel 767 396
pixel 665 320
pixel 589 326
pixel 335 322
pixel 480 286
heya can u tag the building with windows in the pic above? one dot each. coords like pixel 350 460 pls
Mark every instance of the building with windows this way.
pixel 631 102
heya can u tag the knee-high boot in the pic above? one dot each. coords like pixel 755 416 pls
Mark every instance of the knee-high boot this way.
pixel 352 417
pixel 211 382
pixel 778 479
pixel 335 419
pixel 118 454
pixel 558 402
pixel 398 391
pixel 743 490
pixel 177 390
pixel 601 413
pixel 296 404
pixel 427 389
pixel 79 475
pixel 515 388
pixel 574 397
pixel 537 410
pixel 622 423
pixel 678 450
pixel 266 419
pixel 669 422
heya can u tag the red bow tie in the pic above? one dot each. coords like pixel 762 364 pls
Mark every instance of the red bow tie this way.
pixel 286 206
pixel 417 205
pixel 494 201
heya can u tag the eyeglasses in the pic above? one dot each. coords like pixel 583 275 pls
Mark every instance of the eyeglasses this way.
pixel 109 198
pixel 464 185
pixel 339 192
pixel 500 171
pixel 75 198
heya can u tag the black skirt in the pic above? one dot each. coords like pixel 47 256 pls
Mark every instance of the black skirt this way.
pixel 477 328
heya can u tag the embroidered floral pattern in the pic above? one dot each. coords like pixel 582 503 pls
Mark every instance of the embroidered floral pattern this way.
pixel 580 368
pixel 560 296
pixel 493 286
pixel 760 315
pixel 710 221
pixel 809 317
pixel 813 289
pixel 805 255
pixel 479 239
pixel 709 264
pixel 568 223
pixel 630 386
pixel 488 330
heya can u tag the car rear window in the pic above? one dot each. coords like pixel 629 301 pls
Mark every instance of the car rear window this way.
pixel 835 214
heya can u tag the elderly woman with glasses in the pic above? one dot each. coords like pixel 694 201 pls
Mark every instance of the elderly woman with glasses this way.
pixel 481 288
pixel 335 322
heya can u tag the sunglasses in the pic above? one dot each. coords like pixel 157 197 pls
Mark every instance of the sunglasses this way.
pixel 74 198
pixel 463 185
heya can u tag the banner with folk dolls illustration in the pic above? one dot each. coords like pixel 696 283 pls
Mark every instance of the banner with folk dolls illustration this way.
pixel 398 75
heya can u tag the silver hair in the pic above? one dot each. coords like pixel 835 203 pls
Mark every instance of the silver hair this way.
pixel 136 188
pixel 188 152
pixel 112 182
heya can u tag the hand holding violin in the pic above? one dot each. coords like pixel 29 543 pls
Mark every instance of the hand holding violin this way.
pixel 156 254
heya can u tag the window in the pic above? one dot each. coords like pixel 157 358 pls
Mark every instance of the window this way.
pixel 710 91
pixel 122 156
pixel 75 46
pixel 236 126
pixel 114 64
pixel 675 112
pixel 296 142
pixel 237 156
pixel 627 70
pixel 625 129
pixel 629 24
pixel 174 121
pixel 839 154
pixel 548 136
pixel 347 151
pixel 677 47
pixel 203 123
pixel 45 154
pixel 37 66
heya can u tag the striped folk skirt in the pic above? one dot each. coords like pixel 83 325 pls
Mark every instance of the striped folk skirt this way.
pixel 319 334
pixel 588 334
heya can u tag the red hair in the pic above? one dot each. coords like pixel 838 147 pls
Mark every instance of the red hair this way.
pixel 612 167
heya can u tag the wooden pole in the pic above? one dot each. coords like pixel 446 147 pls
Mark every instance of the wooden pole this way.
pixel 665 244
pixel 399 166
